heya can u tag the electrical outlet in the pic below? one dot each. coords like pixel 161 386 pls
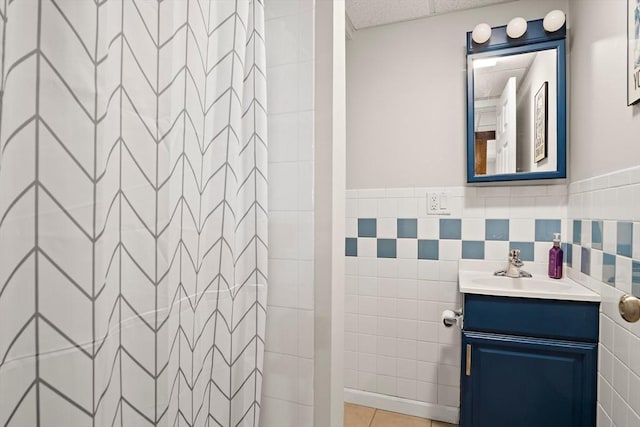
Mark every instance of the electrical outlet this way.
pixel 438 204
pixel 433 203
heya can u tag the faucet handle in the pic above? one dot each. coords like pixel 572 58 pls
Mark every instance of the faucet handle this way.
pixel 514 258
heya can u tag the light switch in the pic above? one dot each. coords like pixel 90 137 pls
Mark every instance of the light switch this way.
pixel 443 201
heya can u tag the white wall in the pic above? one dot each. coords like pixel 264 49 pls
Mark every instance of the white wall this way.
pixel 406 97
pixel 289 357
pixel 604 132
pixel 604 140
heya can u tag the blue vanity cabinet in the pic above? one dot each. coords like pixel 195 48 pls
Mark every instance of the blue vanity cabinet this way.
pixel 528 362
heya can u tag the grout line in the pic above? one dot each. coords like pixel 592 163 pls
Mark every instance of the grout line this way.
pixel 375 411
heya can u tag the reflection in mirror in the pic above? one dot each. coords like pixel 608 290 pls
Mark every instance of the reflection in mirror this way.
pixel 515 113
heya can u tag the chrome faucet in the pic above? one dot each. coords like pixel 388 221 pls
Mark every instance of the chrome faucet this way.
pixel 513 266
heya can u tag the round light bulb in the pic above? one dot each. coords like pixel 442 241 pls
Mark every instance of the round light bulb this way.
pixel 481 33
pixel 553 21
pixel 516 27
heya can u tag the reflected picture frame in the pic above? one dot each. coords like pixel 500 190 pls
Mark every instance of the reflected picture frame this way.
pixel 540 119
pixel 633 51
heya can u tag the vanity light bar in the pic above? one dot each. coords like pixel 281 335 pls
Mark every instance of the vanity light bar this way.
pixel 517 27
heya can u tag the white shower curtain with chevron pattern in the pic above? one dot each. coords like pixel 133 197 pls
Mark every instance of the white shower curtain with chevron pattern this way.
pixel 133 222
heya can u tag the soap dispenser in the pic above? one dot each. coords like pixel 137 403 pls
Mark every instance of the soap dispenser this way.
pixel 555 258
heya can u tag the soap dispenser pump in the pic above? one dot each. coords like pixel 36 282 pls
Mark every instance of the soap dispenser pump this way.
pixel 555 258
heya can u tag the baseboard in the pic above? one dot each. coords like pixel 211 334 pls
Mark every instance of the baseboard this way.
pixel 432 411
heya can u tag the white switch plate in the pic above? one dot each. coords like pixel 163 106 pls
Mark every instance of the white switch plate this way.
pixel 438 203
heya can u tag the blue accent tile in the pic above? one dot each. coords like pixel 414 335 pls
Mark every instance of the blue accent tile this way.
pixel 428 249
pixel 545 229
pixel 625 238
pixel 577 231
pixel 472 249
pixel 386 248
pixel 497 229
pixel 407 228
pixel 451 229
pixel 526 249
pixel 596 234
pixel 367 227
pixel 635 279
pixel 609 269
pixel 568 253
pixel 351 246
pixel 585 262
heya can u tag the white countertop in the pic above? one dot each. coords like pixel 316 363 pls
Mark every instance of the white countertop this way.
pixel 476 277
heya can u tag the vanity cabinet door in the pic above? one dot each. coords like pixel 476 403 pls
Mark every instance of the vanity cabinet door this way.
pixel 513 381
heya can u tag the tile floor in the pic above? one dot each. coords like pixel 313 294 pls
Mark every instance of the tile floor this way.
pixel 363 416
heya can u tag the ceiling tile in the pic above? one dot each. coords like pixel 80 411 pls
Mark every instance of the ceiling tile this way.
pixel 368 13
pixel 444 6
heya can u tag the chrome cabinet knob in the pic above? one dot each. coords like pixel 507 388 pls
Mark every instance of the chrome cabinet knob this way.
pixel 629 307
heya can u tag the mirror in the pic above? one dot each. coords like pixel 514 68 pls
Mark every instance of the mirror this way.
pixel 516 110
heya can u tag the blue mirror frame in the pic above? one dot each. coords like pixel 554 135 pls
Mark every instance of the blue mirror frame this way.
pixel 535 39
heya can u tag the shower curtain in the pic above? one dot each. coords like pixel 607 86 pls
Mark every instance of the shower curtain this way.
pixel 133 222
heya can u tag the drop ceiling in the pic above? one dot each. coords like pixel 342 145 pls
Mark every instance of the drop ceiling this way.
pixel 370 13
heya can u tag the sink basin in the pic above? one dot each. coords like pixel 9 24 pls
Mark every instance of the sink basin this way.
pixel 538 286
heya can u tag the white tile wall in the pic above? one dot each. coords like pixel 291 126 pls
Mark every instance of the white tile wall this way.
pixel 522 230
pixel 473 229
pixel 613 197
pixel 395 342
pixel 288 367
